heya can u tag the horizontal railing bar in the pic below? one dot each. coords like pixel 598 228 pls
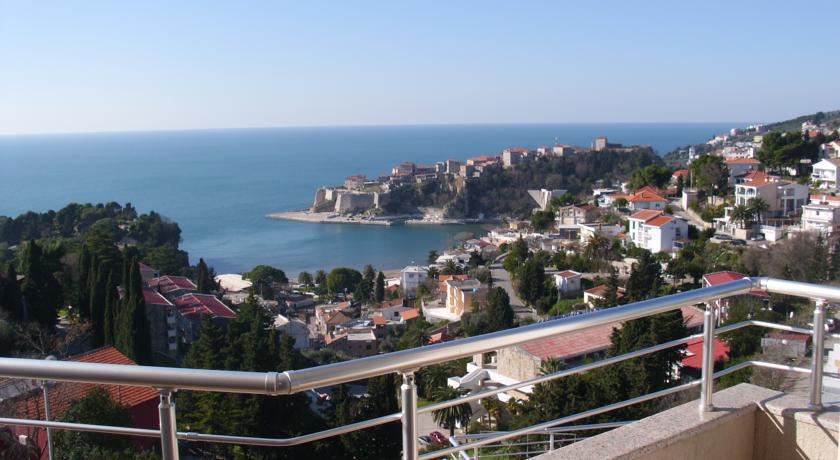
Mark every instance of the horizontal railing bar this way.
pixel 798 289
pixel 372 366
pixel 271 383
pixel 563 373
pixel 285 442
pixel 549 431
pixel 106 429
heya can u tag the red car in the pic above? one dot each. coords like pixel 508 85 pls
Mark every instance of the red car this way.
pixel 438 437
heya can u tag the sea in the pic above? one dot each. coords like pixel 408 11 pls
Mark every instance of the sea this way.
pixel 219 184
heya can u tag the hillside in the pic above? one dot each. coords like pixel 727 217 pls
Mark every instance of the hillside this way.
pixel 504 192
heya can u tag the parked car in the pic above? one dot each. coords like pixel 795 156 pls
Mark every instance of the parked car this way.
pixel 722 236
pixel 425 441
pixel 758 237
pixel 738 243
pixel 438 437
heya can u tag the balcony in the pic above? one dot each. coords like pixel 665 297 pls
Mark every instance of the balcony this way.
pixel 741 422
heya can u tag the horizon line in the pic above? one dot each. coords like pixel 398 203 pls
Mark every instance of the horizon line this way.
pixel 371 125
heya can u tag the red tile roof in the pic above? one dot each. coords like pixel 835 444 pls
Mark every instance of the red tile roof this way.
pixel 694 353
pixel 757 175
pixel 410 314
pixel 659 221
pixel 645 197
pixel 789 336
pixel 590 340
pixel 680 173
pixel 168 283
pixel 601 291
pixel 743 161
pixel 203 304
pixel 379 321
pixel 153 297
pixel 568 274
pixel 646 215
pixel 64 393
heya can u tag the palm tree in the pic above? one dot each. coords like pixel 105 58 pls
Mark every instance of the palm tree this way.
pixel 451 416
pixel 494 409
pixel 758 206
pixel 596 246
pixel 450 268
pixel 434 377
pixel 740 214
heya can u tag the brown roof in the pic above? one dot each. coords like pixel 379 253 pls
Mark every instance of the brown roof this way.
pixel 64 393
pixel 646 215
pixel 659 221
pixel 590 340
pixel 645 197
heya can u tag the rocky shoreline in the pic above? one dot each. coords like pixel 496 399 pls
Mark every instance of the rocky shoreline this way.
pixel 333 218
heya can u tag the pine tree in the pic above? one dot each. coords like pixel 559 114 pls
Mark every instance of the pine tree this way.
pixel 645 280
pixel 379 289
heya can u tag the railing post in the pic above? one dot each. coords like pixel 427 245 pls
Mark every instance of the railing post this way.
pixel 818 349
pixel 168 433
pixel 47 414
pixel 408 392
pixel 707 374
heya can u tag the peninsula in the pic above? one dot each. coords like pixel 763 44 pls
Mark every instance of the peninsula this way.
pixel 456 192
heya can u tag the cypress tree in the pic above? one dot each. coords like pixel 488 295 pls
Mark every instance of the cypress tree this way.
pixel 111 300
pixel 10 299
pixel 205 282
pixel 83 284
pixel 131 330
pixel 379 290
pixel 99 280
pixel 41 293
pixel 499 312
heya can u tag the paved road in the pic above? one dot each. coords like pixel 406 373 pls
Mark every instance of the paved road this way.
pixel 501 278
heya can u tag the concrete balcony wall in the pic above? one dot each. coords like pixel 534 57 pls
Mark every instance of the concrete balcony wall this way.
pixel 750 422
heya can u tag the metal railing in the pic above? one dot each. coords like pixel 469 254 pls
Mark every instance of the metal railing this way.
pixel 168 380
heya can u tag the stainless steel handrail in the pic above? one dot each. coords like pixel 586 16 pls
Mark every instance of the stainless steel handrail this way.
pixel 405 362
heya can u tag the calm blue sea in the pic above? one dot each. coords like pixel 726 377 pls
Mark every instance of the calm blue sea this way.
pixel 219 184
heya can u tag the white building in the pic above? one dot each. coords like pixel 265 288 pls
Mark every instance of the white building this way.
pixel 412 277
pixel 567 282
pixel 824 174
pixel 830 150
pixel 740 167
pixel 656 231
pixel 821 215
pixel 645 198
pixel 609 231
pixel 294 328
pixel 783 197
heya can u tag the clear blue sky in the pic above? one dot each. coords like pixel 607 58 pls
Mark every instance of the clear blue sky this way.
pixel 73 66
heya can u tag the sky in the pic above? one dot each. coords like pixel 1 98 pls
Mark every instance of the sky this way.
pixel 79 66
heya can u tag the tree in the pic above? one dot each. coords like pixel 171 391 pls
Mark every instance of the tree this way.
pixel 131 330
pixel 645 279
pixel 10 296
pixel 343 279
pixel 531 280
pixel 499 312
pixel 653 175
pixel 516 255
pixel 96 408
pixel 451 417
pixel 41 293
pixel 450 267
pixel 111 310
pixel 710 175
pixel 758 206
pixel 432 258
pixel 741 215
pixel 542 220
pixel 205 278
pixel 379 288
pixel 265 278
pixel 305 278
pixel 620 202
pixel 611 298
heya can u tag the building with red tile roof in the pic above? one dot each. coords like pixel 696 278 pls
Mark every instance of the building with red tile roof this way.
pixel 693 360
pixel 646 199
pixel 656 231
pixel 192 307
pixel 722 305
pixel 172 286
pixel 141 401
pixel 523 361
